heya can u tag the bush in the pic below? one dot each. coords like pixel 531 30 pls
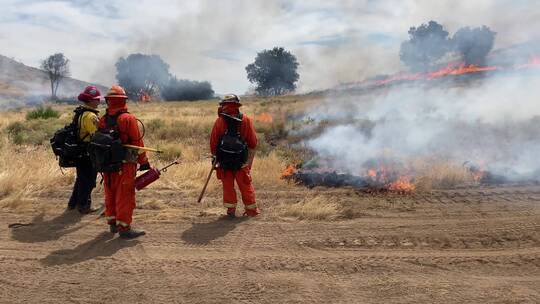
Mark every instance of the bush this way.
pixel 42 113
pixel 155 125
pixel 32 132
pixel 182 89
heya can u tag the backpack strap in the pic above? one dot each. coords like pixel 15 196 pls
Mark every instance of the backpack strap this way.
pixel 111 121
pixel 79 111
pixel 232 123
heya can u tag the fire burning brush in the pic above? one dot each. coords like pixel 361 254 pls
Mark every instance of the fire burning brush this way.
pixel 374 180
pixel 482 176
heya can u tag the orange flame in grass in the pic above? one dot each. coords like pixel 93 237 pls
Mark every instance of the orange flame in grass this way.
pixel 384 175
pixel 403 184
pixel 288 172
pixel 264 117
pixel 459 70
pixel 450 69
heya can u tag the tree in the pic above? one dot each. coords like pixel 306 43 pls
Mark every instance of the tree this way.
pixel 274 72
pixel 57 67
pixel 474 44
pixel 182 89
pixel 427 44
pixel 140 73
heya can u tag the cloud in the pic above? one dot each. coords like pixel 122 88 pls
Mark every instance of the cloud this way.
pixel 335 41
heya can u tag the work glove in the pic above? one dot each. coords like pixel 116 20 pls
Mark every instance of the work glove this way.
pixel 145 167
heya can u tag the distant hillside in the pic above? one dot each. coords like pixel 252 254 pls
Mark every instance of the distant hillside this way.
pixel 21 84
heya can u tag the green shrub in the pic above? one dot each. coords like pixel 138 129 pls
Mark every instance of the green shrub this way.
pixel 42 113
pixel 33 132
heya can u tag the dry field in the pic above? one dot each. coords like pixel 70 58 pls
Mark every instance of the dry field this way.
pixel 450 241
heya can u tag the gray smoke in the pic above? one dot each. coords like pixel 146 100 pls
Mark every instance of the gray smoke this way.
pixel 492 121
pixel 335 41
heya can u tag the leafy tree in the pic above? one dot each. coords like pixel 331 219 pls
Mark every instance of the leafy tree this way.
pixel 474 44
pixel 274 72
pixel 57 67
pixel 427 44
pixel 139 73
pixel 182 89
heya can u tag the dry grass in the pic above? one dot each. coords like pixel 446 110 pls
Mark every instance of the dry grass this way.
pixel 312 208
pixel 28 167
pixel 26 171
pixel 440 174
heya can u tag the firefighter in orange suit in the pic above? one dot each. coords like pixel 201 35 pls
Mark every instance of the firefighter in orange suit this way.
pixel 120 186
pixel 229 111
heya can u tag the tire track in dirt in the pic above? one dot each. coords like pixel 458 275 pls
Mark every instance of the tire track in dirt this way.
pixel 446 246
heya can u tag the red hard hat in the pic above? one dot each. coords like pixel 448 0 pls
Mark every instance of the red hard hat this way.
pixel 90 93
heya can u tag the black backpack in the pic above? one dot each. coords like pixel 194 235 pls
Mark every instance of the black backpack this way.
pixel 232 150
pixel 106 150
pixel 66 143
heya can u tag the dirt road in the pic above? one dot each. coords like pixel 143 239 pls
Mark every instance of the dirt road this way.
pixel 477 245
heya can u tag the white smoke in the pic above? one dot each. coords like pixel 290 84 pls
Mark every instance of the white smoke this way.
pixel 492 121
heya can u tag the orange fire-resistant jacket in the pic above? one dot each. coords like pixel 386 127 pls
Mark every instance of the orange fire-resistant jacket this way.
pixel 247 133
pixel 128 128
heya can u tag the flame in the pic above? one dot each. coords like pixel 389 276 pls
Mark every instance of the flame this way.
pixel 478 174
pixel 477 171
pixel 377 175
pixel 403 184
pixel 144 97
pixel 400 77
pixel 460 69
pixel 387 178
pixel 289 172
pixel 264 117
pixel 451 69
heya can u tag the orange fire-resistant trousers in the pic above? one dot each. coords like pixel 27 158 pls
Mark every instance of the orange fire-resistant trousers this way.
pixel 243 180
pixel 120 195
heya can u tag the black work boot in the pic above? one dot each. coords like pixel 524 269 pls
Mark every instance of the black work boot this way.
pixel 231 212
pixel 131 234
pixel 113 228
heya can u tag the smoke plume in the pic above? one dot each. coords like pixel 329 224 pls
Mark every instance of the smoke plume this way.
pixel 492 122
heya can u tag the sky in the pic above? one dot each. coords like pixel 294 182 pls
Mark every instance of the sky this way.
pixel 335 41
